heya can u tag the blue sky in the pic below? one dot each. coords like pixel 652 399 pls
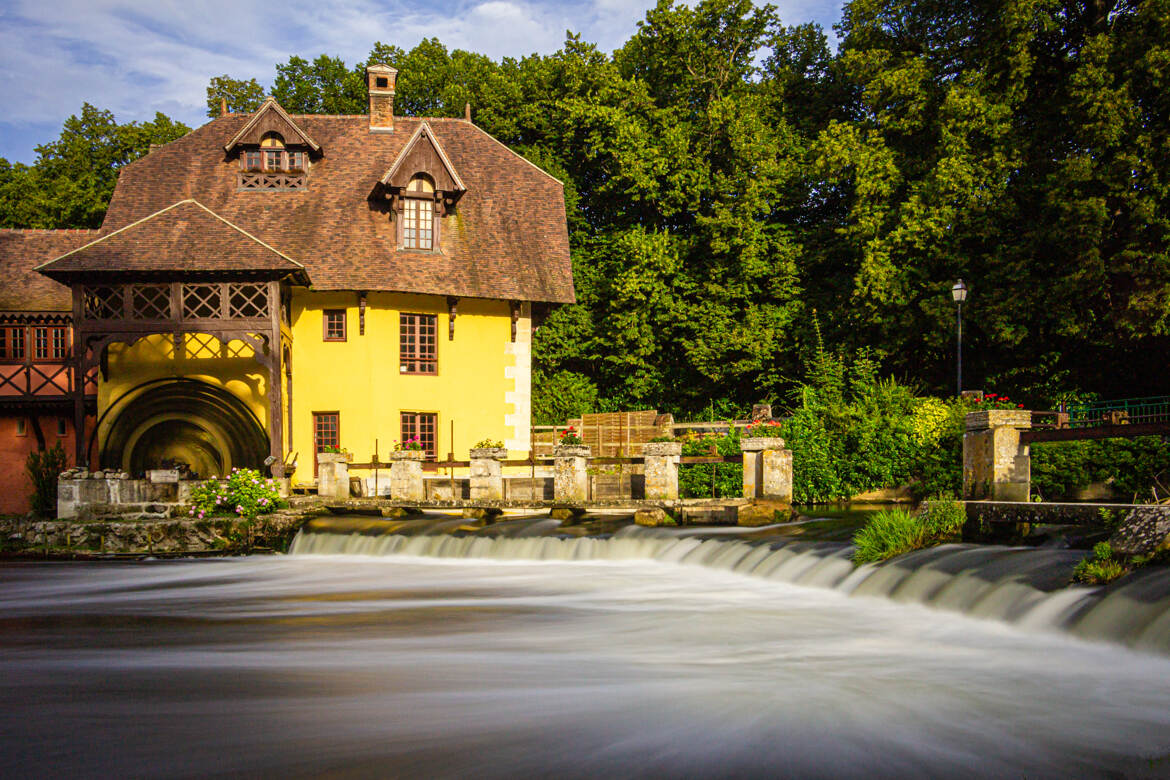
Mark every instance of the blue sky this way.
pixel 136 57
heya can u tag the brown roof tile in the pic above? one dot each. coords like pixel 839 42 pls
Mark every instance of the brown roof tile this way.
pixel 22 288
pixel 184 236
pixel 507 237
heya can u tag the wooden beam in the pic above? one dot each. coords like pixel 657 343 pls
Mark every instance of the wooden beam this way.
pixel 275 407
pixel 79 373
pixel 1096 432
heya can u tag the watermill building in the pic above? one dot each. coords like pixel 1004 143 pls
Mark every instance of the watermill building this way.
pixel 270 286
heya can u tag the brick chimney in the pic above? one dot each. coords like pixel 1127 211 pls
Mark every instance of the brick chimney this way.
pixel 380 84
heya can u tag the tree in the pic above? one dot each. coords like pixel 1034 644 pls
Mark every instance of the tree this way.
pixel 242 96
pixel 73 178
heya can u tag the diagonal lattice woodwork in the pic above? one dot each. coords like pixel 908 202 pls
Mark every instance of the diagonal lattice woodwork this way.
pixel 247 300
pixel 272 181
pixel 201 345
pixel 201 301
pixel 150 301
pixel 102 303
pixel 56 377
pixel 239 349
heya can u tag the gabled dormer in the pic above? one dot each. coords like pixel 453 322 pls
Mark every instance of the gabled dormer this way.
pixel 274 152
pixel 422 186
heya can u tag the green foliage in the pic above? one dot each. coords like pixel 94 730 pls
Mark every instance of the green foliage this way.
pixel 73 178
pixel 853 432
pixel 711 480
pixel 561 396
pixel 892 532
pixel 43 468
pixel 1138 469
pixel 245 493
pixel 725 175
pixel 242 96
pixel 943 518
pixel 1100 567
pixel 488 444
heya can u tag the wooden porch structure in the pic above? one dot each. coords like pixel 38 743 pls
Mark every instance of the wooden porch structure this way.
pixel 226 306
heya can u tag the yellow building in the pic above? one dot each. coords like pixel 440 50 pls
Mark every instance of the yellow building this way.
pixel 271 286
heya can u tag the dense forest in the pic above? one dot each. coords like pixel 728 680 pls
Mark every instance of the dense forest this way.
pixel 743 197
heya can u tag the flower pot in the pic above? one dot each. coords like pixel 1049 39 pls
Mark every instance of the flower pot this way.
pixel 662 448
pixel 408 455
pixel 572 451
pixel 761 443
pixel 489 453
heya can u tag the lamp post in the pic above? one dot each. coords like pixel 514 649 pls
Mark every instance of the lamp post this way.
pixel 959 293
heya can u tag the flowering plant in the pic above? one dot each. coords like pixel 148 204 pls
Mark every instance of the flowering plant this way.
pixel 763 429
pixel 245 493
pixel 413 443
pixel 993 401
pixel 569 436
pixel 486 444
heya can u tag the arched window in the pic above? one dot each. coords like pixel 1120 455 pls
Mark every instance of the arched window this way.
pixel 272 147
pixel 418 213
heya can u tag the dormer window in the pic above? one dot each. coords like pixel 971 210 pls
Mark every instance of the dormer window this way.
pixel 272 160
pixel 272 166
pixel 418 214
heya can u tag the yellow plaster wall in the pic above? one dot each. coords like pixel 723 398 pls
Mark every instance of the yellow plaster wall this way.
pixel 476 385
pixel 153 357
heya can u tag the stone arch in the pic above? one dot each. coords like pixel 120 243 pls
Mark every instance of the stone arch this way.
pixel 184 420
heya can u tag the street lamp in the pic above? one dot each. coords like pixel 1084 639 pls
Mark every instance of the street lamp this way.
pixel 959 293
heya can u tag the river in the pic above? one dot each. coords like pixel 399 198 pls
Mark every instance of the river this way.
pixel 411 666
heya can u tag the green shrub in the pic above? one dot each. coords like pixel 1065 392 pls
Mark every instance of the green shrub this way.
pixel 43 468
pixel 245 493
pixel 892 532
pixel 711 480
pixel 1134 467
pixel 943 518
pixel 888 533
pixel 1100 566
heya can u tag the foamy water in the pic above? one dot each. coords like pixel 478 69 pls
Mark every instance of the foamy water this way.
pixel 406 666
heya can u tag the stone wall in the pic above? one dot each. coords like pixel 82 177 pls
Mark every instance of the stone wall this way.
pixel 159 535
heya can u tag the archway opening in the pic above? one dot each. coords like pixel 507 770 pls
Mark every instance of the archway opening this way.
pixel 187 422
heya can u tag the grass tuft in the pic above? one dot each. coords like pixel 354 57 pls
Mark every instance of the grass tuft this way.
pixel 892 532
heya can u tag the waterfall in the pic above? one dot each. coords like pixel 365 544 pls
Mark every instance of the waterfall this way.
pixel 1025 587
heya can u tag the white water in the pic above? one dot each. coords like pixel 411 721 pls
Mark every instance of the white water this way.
pixel 411 666
pixel 1020 586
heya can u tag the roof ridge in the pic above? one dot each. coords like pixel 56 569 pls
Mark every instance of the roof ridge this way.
pixel 149 217
pixel 50 230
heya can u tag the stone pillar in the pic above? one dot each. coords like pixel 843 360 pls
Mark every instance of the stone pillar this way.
pixel 570 481
pixel 332 475
pixel 487 479
pixel 68 495
pixel 776 468
pixel 995 465
pixel 406 479
pixel 661 460
pixel 767 468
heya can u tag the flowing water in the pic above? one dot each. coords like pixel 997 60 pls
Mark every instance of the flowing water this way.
pixel 645 655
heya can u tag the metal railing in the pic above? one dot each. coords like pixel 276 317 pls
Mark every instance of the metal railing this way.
pixel 1126 411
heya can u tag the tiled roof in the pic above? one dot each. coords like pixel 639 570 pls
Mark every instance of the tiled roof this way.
pixel 507 237
pixel 22 288
pixel 184 236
